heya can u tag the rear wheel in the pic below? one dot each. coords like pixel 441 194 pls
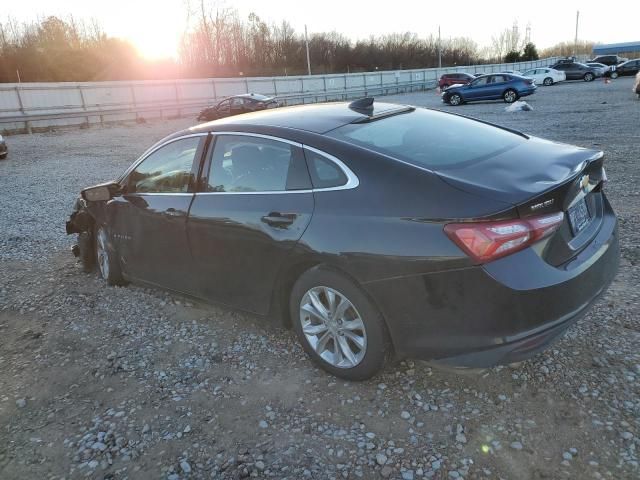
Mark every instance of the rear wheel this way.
pixel 455 99
pixel 547 81
pixel 106 258
pixel 338 326
pixel 510 96
pixel 588 77
pixel 614 74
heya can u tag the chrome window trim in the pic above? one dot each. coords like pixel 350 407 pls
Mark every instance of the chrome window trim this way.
pixel 154 148
pixel 352 179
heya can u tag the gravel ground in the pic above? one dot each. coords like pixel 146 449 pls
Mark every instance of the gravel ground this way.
pixel 115 383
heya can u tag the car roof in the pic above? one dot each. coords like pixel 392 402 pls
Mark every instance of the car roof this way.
pixel 253 96
pixel 316 118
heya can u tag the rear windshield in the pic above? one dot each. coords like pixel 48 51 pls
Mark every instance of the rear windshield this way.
pixel 430 139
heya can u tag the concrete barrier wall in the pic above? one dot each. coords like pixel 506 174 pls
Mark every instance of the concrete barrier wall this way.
pixel 94 102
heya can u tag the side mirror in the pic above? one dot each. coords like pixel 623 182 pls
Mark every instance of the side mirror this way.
pixel 101 193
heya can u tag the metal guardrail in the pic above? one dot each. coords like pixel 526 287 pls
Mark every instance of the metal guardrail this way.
pixel 43 105
pixel 179 107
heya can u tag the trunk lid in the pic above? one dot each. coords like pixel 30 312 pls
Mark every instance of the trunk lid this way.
pixel 538 177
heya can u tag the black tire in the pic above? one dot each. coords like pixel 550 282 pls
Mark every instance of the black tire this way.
pixel 3 156
pixel 510 96
pixel 378 347
pixel 588 77
pixel 110 270
pixel 455 99
pixel 87 256
pixel 547 82
pixel 614 74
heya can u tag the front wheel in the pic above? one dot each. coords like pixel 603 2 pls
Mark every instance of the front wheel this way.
pixel 106 258
pixel 547 82
pixel 588 77
pixel 338 326
pixel 510 96
pixel 455 99
pixel 3 156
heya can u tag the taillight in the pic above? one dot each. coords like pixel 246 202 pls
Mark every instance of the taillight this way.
pixel 488 241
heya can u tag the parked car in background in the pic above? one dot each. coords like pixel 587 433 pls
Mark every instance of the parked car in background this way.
pixel 373 230
pixel 4 150
pixel 578 71
pixel 609 60
pixel 490 87
pixel 604 69
pixel 245 103
pixel 630 67
pixel 545 76
pixel 459 78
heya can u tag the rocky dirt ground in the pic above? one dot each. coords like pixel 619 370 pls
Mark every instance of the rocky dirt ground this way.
pixel 114 383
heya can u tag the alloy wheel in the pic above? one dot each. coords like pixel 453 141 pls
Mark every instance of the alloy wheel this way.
pixel 455 99
pixel 102 253
pixel 547 81
pixel 333 327
pixel 510 96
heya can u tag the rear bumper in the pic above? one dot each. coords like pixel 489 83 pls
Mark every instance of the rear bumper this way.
pixel 527 91
pixel 503 312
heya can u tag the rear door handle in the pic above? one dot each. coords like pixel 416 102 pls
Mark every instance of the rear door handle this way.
pixel 277 219
pixel 172 212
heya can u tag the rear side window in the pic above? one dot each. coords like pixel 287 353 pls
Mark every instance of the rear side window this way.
pixel 324 173
pixel 243 163
pixel 430 139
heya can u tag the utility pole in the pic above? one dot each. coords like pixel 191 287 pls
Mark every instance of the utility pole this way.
pixel 306 41
pixel 439 49
pixel 575 45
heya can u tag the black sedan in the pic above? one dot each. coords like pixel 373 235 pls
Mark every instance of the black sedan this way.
pixel 373 230
pixel 245 103
pixel 630 67
pixel 4 150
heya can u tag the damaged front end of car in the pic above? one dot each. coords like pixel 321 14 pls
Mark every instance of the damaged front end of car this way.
pixel 86 209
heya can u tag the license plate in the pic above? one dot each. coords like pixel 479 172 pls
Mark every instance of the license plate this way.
pixel 579 216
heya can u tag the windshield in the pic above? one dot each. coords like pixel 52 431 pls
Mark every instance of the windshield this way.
pixel 430 139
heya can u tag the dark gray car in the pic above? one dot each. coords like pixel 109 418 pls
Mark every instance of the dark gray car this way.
pixel 578 71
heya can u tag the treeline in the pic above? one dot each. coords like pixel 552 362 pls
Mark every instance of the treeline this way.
pixel 222 43
pixel 219 43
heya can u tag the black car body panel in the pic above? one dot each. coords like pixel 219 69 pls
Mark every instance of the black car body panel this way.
pixel 630 67
pixel 383 228
pixel 610 60
pixel 4 150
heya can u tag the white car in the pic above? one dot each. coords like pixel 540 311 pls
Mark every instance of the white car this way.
pixel 545 76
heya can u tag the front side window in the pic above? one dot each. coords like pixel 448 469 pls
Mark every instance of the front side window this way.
pixel 478 82
pixel 242 163
pixel 166 170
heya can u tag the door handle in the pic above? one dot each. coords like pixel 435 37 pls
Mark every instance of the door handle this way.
pixel 277 219
pixel 172 212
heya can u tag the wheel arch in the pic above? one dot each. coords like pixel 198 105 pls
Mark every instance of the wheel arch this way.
pixel 279 310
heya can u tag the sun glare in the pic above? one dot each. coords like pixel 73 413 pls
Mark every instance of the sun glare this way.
pixel 156 45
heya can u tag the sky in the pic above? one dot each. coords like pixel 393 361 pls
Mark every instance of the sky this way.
pixel 155 26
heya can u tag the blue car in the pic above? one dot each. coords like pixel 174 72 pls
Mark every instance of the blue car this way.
pixel 495 86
